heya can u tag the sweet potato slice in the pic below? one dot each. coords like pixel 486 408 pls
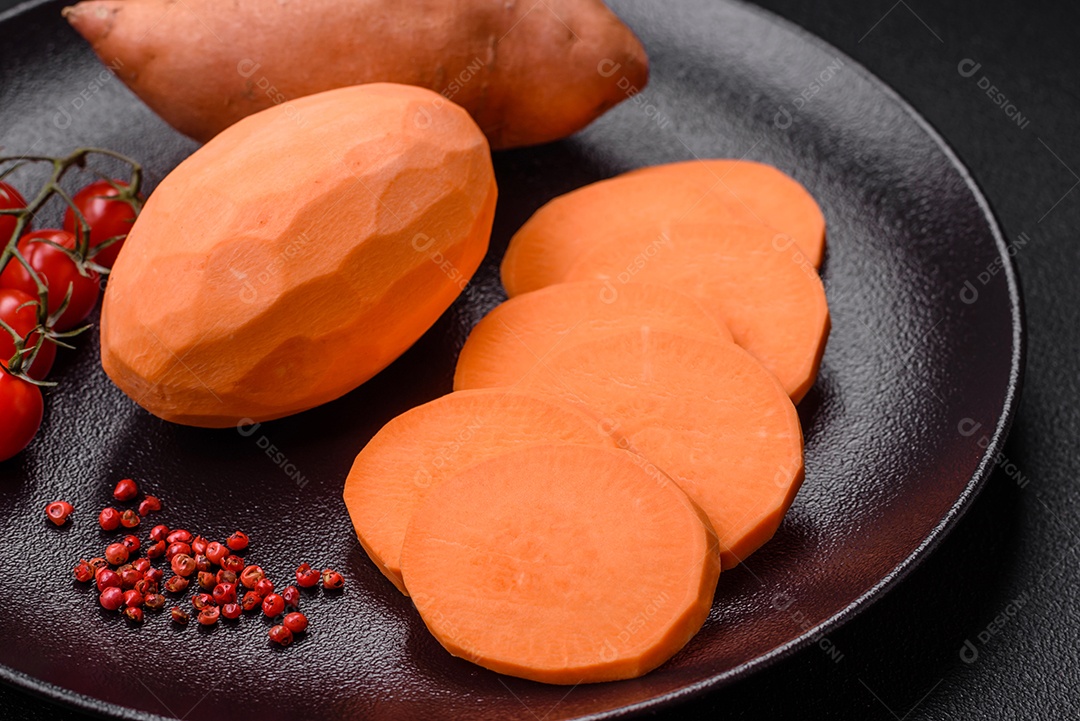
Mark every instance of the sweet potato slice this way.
pixel 562 564
pixel 415 451
pixel 706 413
pixel 761 288
pixel 640 206
pixel 517 334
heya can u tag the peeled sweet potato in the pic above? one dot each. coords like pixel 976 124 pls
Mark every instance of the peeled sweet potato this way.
pixel 297 254
pixel 528 72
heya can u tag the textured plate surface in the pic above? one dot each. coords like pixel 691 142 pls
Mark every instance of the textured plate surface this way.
pixel 916 391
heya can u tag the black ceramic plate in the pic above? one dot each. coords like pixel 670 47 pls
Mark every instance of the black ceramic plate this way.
pixel 916 391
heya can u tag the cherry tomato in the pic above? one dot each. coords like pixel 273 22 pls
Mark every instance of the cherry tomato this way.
pixel 21 410
pixel 23 319
pixel 107 218
pixel 58 271
pixel 9 200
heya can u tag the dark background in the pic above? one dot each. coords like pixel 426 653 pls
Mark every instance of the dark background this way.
pixel 1007 580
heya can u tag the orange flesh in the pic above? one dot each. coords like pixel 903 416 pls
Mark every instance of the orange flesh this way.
pixel 561 564
pixel 750 279
pixel 519 333
pixel 641 205
pixel 414 452
pixel 331 233
pixel 706 413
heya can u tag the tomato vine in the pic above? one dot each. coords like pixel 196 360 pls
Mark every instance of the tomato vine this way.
pixel 82 255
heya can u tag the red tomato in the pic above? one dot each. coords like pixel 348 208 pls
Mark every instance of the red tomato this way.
pixel 107 218
pixel 23 319
pixel 58 271
pixel 21 410
pixel 9 200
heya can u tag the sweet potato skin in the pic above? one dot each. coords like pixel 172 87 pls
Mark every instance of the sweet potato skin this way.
pixel 273 271
pixel 528 73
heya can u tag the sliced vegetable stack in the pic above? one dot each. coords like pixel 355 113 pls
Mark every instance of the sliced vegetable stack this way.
pixel 674 313
pixel 418 449
pixel 749 277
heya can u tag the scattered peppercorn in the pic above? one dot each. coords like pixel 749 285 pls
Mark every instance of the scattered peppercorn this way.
pixel 251 601
pixel 281 635
pixel 128 576
pixel 176 584
pixel 291 596
pixel 216 552
pixel 176 548
pixel 58 512
pixel 180 535
pixel 224 593
pixel 129 584
pixel 273 605
pixel 107 578
pixel 209 615
pixel 149 505
pixel 111 599
pixel 145 586
pixel 238 541
pixel 116 554
pixel 109 519
pixel 126 490
pixel 156 549
pixel 132 543
pixel 202 600
pixel 264 587
pixel 295 622
pixel 332 580
pixel 84 571
pixel 129 519
pixel 183 564
pixel 306 576
pixel 251 575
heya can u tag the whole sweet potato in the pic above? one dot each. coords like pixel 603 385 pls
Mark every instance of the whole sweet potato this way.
pixel 529 72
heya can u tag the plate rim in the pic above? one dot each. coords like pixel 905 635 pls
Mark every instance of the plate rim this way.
pixel 59 695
